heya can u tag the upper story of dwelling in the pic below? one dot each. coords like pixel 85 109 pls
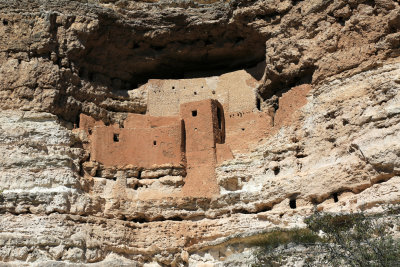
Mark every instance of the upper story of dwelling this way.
pixel 236 91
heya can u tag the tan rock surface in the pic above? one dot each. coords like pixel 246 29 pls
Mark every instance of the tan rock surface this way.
pixel 337 134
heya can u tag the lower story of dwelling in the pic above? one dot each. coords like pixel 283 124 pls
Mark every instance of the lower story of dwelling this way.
pixel 180 151
pixel 147 142
pixel 188 146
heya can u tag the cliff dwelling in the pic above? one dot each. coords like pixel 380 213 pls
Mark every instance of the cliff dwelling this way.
pixel 190 126
pixel 157 133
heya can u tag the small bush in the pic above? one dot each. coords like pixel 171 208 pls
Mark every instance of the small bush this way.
pixel 349 240
pixel 357 240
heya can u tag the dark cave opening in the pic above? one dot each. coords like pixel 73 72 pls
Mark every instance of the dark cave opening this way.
pixel 122 58
pixel 128 80
pixel 292 203
pixel 276 170
pixel 258 104
pixel 335 197
pixel 117 58
pixel 280 84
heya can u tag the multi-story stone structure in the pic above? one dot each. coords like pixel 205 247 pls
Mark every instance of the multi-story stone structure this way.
pixel 191 126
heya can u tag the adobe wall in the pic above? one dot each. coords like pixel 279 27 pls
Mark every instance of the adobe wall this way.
pixel 201 124
pixel 202 132
pixel 289 103
pixel 139 144
pixel 87 123
pixel 146 121
pixel 245 128
pixel 232 131
pixel 236 91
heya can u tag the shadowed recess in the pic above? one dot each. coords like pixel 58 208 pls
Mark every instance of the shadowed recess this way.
pixel 118 56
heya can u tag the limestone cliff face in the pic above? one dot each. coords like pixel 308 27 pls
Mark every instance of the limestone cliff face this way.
pixel 332 143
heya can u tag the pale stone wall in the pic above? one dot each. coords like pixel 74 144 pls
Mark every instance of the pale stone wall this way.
pixel 234 90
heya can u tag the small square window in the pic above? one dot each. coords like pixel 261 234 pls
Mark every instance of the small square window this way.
pixel 116 137
pixel 194 113
pixel 154 143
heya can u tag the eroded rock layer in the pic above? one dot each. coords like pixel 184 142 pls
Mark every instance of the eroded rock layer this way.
pixel 300 101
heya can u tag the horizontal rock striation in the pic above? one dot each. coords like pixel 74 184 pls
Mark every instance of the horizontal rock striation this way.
pixel 333 147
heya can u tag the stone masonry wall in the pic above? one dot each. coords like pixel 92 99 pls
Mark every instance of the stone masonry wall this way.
pixel 236 91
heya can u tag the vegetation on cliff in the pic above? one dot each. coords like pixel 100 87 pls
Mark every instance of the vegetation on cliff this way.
pixel 335 240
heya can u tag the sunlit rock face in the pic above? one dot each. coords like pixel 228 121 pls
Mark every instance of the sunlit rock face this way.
pixel 172 133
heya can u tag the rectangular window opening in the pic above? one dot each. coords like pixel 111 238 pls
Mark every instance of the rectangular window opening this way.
pixel 116 137
pixel 194 113
pixel 219 117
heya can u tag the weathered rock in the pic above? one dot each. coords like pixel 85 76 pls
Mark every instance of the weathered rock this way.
pixel 333 144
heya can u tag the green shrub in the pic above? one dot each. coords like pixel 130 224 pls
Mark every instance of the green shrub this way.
pixel 357 240
pixel 349 240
